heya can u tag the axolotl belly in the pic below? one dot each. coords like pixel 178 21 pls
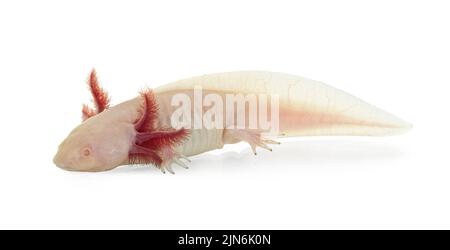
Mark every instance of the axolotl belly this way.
pixel 192 116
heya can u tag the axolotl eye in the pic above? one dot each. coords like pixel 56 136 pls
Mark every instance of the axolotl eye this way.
pixel 86 152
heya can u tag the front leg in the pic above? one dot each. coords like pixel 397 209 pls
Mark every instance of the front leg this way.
pixel 169 155
pixel 152 144
pixel 251 136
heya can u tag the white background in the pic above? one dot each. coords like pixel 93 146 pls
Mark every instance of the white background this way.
pixel 394 54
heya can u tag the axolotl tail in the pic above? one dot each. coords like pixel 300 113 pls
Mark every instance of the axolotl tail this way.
pixel 306 107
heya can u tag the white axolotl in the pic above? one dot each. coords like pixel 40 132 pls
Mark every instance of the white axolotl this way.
pixel 199 114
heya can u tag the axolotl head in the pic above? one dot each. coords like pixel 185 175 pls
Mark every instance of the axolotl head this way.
pixel 95 145
pixel 100 142
pixel 123 134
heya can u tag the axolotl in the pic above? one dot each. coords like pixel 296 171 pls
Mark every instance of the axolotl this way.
pixel 166 125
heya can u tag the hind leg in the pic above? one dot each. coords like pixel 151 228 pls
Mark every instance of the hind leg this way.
pixel 251 136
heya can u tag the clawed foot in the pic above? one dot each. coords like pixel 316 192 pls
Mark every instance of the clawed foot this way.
pixel 170 157
pixel 257 140
pixel 254 138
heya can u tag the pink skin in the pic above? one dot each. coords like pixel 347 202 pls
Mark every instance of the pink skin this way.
pixel 138 131
pixel 127 133
pixel 102 142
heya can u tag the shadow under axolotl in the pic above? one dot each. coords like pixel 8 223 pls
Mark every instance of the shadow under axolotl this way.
pixel 290 154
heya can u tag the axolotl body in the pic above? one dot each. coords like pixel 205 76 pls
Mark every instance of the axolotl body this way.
pixel 164 126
